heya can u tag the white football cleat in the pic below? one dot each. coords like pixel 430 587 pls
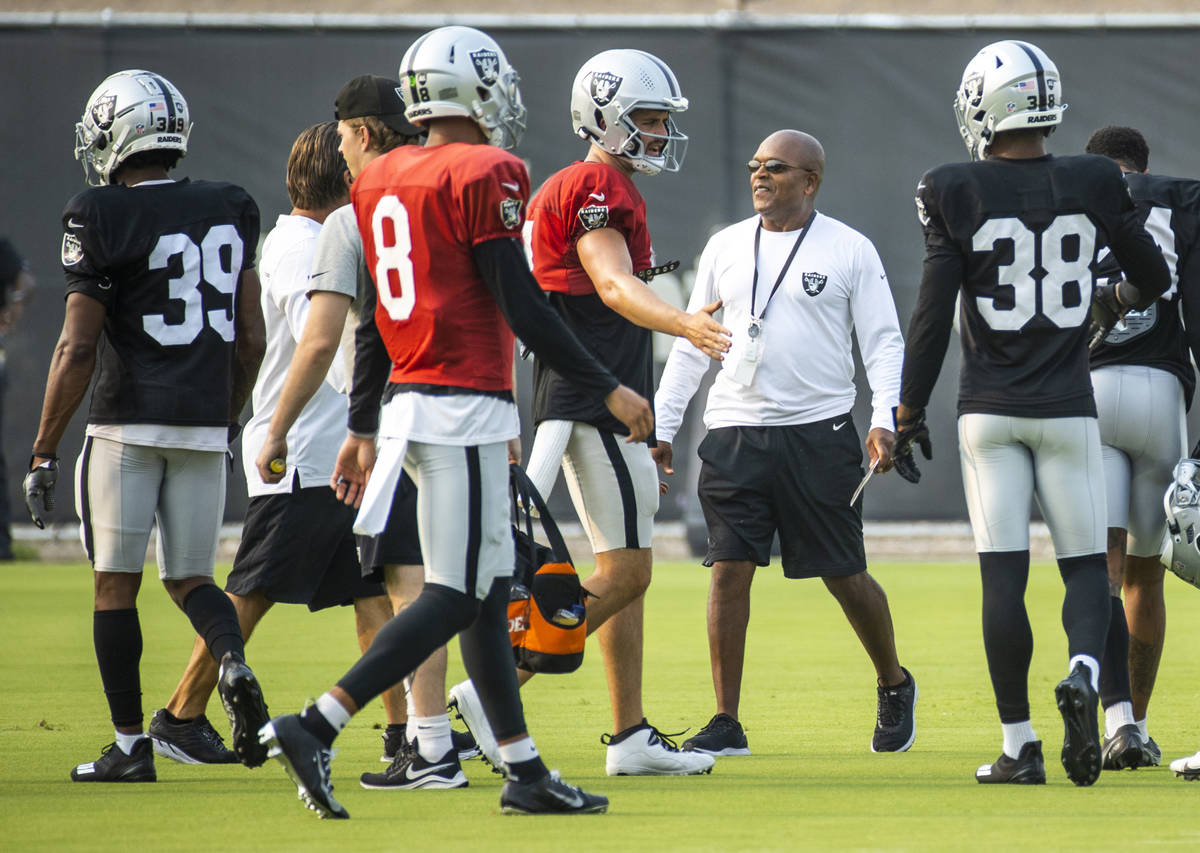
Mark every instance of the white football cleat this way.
pixel 1188 768
pixel 644 751
pixel 465 702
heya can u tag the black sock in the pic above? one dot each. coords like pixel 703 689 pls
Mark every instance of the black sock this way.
pixel 1007 637
pixel 525 772
pixel 117 636
pixel 213 616
pixel 171 718
pixel 1085 610
pixel 1114 666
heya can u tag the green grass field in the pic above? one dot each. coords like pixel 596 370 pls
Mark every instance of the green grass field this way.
pixel 808 707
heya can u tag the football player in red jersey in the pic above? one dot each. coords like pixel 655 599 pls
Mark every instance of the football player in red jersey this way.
pixel 440 228
pixel 592 254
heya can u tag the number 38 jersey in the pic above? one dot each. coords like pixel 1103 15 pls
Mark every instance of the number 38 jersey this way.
pixel 1021 238
pixel 421 212
pixel 165 259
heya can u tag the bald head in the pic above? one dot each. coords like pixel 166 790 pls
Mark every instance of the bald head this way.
pixel 785 192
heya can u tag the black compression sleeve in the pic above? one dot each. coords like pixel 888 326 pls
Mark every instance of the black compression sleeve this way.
pixel 372 366
pixel 1141 261
pixel 932 320
pixel 502 264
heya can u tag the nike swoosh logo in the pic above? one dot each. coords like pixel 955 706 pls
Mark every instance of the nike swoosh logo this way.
pixel 418 774
pixel 510 186
pixel 71 223
pixel 597 196
pixel 836 427
pixel 316 274
pixel 575 800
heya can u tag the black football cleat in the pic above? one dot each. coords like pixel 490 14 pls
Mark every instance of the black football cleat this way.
pixel 1077 703
pixel 549 795
pixel 192 741
pixel 1026 769
pixel 306 761
pixel 243 701
pixel 114 765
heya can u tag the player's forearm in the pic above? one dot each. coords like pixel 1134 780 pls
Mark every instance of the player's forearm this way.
pixel 71 369
pixel 632 299
pixel 929 329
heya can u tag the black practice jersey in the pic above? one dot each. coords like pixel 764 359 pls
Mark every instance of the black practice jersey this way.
pixel 1156 337
pixel 1021 240
pixel 624 348
pixel 165 260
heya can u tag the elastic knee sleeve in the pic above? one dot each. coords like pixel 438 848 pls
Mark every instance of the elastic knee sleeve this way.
pixel 215 619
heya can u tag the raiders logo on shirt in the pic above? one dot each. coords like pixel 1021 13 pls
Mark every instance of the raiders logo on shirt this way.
pixel 72 250
pixel 813 282
pixel 593 216
pixel 510 212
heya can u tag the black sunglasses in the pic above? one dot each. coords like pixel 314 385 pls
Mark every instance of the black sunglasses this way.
pixel 773 167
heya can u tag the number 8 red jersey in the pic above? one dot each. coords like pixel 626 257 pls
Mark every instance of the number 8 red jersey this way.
pixel 421 211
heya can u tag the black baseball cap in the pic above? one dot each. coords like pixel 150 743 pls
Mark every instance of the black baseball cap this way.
pixel 370 95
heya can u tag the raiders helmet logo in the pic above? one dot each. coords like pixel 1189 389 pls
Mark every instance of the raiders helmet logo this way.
pixel 813 282
pixel 104 110
pixel 604 87
pixel 487 65
pixel 510 212
pixel 973 89
pixel 72 250
pixel 593 216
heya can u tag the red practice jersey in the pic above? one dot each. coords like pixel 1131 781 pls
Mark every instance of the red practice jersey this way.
pixel 584 197
pixel 421 211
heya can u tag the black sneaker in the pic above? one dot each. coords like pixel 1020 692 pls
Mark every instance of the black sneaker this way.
pixel 192 741
pixel 1081 734
pixel 895 716
pixel 549 795
pixel 410 771
pixel 464 742
pixel 1026 769
pixel 114 765
pixel 1126 750
pixel 722 736
pixel 395 741
pixel 243 701
pixel 306 761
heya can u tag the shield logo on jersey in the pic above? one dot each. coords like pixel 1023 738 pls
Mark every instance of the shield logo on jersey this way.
pixel 1133 325
pixel 510 212
pixel 72 250
pixel 813 282
pixel 104 110
pixel 972 89
pixel 593 216
pixel 487 65
pixel 604 87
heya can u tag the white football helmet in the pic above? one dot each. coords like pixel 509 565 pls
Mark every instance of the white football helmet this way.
pixel 1181 550
pixel 461 71
pixel 1009 85
pixel 613 84
pixel 130 111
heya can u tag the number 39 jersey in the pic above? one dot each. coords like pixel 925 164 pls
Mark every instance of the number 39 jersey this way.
pixel 421 212
pixel 164 259
pixel 1021 238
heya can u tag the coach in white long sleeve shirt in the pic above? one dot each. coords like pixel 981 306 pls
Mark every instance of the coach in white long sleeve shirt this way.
pixel 782 454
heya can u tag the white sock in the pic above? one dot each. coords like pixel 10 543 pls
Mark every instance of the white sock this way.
pixel 333 711
pixel 431 735
pixel 518 751
pixel 1141 724
pixel 1093 666
pixel 1115 716
pixel 1016 735
pixel 128 742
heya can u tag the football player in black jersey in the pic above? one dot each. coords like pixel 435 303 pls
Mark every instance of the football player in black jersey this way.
pixel 163 307
pixel 1019 234
pixel 1142 373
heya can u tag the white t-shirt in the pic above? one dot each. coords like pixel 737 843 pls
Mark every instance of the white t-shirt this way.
pixel 835 286
pixel 317 435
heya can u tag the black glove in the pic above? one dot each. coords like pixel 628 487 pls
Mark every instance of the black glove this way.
pixel 1107 310
pixel 908 433
pixel 39 491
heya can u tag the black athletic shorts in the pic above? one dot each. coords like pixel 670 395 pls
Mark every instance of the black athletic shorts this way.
pixel 399 544
pixel 795 479
pixel 298 548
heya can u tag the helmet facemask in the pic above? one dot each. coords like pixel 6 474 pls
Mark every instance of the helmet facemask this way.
pixel 1181 548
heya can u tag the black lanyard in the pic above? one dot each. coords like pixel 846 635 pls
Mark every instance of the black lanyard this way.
pixel 755 321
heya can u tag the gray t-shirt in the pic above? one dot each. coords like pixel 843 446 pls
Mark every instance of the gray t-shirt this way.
pixel 338 267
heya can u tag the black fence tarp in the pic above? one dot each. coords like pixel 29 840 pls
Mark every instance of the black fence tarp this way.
pixel 879 100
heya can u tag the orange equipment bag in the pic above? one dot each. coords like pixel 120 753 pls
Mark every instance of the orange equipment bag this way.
pixel 547 613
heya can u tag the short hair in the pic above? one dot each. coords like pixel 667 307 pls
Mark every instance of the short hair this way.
pixel 1125 144
pixel 167 158
pixel 316 170
pixel 382 137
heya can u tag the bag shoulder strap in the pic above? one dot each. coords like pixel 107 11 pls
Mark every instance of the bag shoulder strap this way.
pixel 526 493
